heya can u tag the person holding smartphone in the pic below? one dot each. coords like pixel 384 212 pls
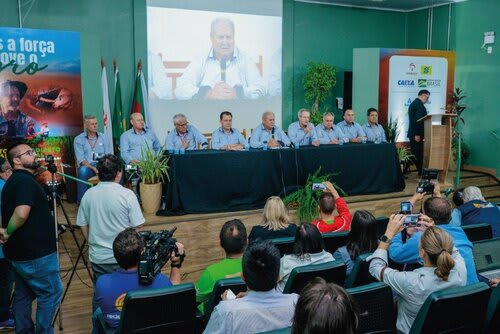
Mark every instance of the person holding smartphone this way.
pixel 328 202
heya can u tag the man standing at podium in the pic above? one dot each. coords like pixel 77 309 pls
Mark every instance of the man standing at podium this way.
pixel 416 129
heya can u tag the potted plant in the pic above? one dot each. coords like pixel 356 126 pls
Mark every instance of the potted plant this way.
pixel 153 170
pixel 404 156
pixel 458 107
pixel 318 82
pixel 305 200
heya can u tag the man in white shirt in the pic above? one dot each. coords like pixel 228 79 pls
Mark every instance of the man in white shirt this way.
pixel 225 73
pixel 263 308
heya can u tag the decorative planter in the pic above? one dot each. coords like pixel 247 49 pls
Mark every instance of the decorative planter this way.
pixel 150 197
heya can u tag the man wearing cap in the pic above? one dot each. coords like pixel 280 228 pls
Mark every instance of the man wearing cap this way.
pixel 13 122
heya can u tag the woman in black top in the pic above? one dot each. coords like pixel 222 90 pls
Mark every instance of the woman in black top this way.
pixel 275 222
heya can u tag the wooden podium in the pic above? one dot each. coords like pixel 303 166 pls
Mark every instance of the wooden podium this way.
pixel 437 144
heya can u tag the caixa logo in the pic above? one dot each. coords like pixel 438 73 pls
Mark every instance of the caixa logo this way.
pixel 406 83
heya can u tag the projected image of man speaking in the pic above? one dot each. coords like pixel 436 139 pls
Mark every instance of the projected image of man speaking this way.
pixel 225 73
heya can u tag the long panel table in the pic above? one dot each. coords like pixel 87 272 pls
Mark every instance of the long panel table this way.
pixel 218 181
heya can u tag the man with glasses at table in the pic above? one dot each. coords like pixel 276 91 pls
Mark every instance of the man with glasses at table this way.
pixel 184 136
pixel 29 238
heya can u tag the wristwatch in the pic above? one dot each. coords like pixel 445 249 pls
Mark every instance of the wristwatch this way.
pixel 385 239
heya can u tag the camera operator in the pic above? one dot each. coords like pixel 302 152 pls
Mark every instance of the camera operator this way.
pixel 110 289
pixel 29 240
pixel 106 210
pixel 436 212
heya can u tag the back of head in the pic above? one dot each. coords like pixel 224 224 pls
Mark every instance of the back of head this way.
pixel 472 193
pixel 261 266
pixel 424 91
pixel 308 240
pixel 363 236
pixel 439 209
pixel 275 215
pixel 4 165
pixel 127 248
pixel 324 308
pixel 108 166
pixel 233 237
pixel 326 203
pixel 438 245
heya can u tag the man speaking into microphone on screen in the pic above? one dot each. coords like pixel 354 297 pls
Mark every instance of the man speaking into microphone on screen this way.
pixel 225 73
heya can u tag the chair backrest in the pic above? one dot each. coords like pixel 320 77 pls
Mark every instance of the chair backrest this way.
pixel 165 310
pixel 334 240
pixel 236 285
pixel 478 232
pixel 486 254
pixel 382 225
pixel 492 321
pixel 285 245
pixel 332 271
pixel 360 273
pixel 376 307
pixel 453 310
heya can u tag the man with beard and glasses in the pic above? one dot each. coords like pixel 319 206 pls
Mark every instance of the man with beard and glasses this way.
pixel 29 239
pixel 13 122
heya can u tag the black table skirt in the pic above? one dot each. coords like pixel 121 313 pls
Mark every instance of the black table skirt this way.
pixel 218 181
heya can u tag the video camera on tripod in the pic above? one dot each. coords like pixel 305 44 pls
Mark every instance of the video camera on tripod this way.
pixel 158 246
pixel 426 186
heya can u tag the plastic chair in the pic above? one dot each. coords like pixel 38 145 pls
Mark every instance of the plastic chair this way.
pixel 478 232
pixel 334 240
pixel 333 272
pixel 486 254
pixel 376 307
pixel 360 273
pixel 492 321
pixel 235 284
pixel 166 310
pixel 284 245
pixel 453 310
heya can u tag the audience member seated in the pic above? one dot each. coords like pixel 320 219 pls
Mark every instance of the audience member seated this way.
pixel 374 131
pixel 308 248
pixel 275 222
pixel 324 308
pixel 436 211
pixel 328 202
pixel 112 288
pixel 184 136
pixel 362 239
pixel 328 133
pixel 443 268
pixel 262 308
pixel 268 134
pixel 226 137
pixel 233 239
pixel 303 132
pixel 352 130
pixel 476 210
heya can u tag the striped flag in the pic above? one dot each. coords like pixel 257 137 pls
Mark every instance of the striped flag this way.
pixel 106 110
pixel 140 101
pixel 119 123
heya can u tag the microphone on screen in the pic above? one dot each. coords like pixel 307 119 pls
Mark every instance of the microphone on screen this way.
pixel 223 70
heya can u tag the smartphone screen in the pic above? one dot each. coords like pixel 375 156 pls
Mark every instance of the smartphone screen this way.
pixel 406 208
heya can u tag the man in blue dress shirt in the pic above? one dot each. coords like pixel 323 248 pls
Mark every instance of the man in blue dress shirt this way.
pixel 374 131
pixel 268 134
pixel 137 139
pixel 302 132
pixel 88 145
pixel 184 136
pixel 352 130
pixel 328 133
pixel 226 137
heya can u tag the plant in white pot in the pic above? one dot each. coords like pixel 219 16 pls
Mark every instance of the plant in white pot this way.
pixel 153 169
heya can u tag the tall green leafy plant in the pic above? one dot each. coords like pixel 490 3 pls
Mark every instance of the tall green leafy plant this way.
pixel 306 200
pixel 318 82
pixel 153 167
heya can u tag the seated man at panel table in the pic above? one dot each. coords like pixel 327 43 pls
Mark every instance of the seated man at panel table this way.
pixel 233 239
pixel 328 133
pixel 137 139
pixel 184 136
pixel 87 145
pixel 374 131
pixel 352 130
pixel 263 308
pixel 303 132
pixel 111 289
pixel 328 202
pixel 268 134
pixel 436 212
pixel 226 137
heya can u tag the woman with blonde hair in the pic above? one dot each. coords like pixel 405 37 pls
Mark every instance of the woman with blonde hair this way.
pixel 443 268
pixel 275 222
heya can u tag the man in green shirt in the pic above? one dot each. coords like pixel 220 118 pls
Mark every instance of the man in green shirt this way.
pixel 233 238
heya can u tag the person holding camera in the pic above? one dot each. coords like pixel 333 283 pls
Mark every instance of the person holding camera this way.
pixel 436 212
pixel 328 202
pixel 111 289
pixel 443 268
pixel 29 243
pixel 88 146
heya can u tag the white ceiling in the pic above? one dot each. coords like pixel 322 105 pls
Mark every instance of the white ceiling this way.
pixel 394 5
